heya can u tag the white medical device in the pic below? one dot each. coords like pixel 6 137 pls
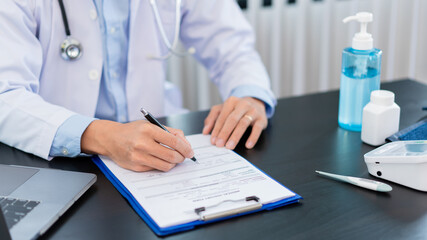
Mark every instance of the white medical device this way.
pixel 402 162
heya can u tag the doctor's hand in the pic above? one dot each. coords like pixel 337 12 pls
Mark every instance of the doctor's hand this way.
pixel 228 122
pixel 137 145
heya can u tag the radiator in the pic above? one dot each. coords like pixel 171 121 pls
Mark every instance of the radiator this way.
pixel 300 43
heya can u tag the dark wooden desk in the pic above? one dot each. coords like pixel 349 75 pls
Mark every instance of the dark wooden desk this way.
pixel 303 136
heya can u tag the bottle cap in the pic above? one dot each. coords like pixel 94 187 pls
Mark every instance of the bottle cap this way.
pixel 382 97
pixel 362 40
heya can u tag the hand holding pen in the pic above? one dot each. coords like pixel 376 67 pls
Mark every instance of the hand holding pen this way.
pixel 154 121
pixel 138 146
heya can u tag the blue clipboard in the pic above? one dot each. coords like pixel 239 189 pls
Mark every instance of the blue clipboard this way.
pixel 182 227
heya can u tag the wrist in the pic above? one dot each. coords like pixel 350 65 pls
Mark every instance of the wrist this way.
pixel 95 139
pixel 256 101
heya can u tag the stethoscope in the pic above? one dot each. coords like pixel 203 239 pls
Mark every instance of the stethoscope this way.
pixel 71 49
pixel 171 47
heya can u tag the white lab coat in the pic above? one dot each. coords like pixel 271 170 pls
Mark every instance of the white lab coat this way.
pixel 39 90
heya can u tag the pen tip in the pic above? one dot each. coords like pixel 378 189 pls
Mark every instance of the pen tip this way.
pixel 194 160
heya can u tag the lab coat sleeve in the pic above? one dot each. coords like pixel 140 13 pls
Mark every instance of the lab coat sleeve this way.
pixel 224 43
pixel 256 92
pixel 67 141
pixel 27 122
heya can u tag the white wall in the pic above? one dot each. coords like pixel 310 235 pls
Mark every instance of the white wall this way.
pixel 301 46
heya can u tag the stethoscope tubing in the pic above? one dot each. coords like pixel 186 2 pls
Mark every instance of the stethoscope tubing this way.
pixel 171 47
pixel 153 3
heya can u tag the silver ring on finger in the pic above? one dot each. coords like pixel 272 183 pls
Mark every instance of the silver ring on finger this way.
pixel 249 118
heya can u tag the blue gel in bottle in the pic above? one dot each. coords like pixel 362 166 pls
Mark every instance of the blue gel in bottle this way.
pixel 360 76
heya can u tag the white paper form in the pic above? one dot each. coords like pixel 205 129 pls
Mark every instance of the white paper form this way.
pixel 222 175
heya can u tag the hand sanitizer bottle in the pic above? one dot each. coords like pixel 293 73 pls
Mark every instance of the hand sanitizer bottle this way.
pixel 360 74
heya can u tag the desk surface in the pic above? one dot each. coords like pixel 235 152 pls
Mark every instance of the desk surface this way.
pixel 303 136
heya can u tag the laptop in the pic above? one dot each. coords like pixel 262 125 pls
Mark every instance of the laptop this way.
pixel 32 199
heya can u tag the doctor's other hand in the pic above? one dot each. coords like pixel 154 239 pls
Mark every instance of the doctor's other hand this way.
pixel 138 146
pixel 228 122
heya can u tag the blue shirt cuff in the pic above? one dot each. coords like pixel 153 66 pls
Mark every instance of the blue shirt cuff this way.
pixel 67 139
pixel 259 93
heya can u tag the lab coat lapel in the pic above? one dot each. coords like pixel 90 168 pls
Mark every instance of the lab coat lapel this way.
pixel 145 77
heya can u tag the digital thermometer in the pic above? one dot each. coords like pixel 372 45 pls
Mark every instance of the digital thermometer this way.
pixel 361 182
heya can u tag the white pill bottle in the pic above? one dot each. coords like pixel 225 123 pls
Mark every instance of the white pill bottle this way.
pixel 380 118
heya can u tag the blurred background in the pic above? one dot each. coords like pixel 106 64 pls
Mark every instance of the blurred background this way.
pixel 301 41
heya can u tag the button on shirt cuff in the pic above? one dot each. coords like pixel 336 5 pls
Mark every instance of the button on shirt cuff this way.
pixel 67 139
pixel 259 93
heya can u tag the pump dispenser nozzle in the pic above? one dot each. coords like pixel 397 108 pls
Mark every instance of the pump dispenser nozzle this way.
pixel 362 40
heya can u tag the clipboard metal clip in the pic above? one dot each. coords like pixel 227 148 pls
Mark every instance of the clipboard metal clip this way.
pixel 207 217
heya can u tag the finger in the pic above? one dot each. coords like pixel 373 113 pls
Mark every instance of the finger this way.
pixel 238 132
pixel 182 136
pixel 176 132
pixel 174 142
pixel 143 160
pixel 256 132
pixel 179 133
pixel 230 124
pixel 134 166
pixel 156 163
pixel 226 110
pixel 143 168
pixel 152 155
pixel 211 118
pixel 166 154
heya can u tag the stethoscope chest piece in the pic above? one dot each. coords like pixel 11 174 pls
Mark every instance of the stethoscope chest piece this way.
pixel 71 49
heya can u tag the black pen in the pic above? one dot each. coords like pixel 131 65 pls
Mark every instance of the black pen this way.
pixel 154 121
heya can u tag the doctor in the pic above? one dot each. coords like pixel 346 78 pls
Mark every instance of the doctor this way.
pixel 74 74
